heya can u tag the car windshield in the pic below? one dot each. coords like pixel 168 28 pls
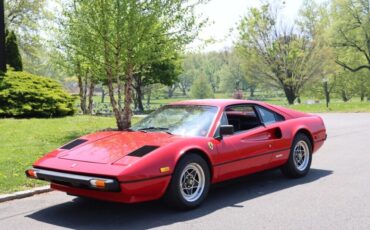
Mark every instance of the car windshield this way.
pixel 184 120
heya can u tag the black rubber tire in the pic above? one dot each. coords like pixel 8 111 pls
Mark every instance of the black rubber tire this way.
pixel 289 169
pixel 173 197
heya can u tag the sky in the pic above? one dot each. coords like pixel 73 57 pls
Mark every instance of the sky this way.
pixel 225 15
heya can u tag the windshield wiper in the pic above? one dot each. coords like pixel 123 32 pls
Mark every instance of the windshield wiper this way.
pixel 156 128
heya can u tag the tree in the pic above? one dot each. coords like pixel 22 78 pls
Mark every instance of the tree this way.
pixel 27 18
pixel 164 72
pixel 346 86
pixel 2 39
pixel 201 88
pixel 212 64
pixel 123 33
pixel 315 21
pixel 351 33
pixel 12 55
pixel 362 84
pixel 286 57
pixel 232 74
pixel 208 64
pixel 190 70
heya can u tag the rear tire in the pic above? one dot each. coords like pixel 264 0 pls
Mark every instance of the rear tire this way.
pixel 300 157
pixel 190 183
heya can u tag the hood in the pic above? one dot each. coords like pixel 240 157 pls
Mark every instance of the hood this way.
pixel 108 147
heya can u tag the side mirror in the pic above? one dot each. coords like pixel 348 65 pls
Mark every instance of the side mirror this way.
pixel 226 130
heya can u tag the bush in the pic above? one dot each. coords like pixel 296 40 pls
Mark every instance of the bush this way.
pixel 12 55
pixel 201 89
pixel 26 95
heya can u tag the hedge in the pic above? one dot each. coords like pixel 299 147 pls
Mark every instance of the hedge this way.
pixel 26 95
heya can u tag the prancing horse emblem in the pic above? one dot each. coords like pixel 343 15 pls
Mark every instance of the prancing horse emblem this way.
pixel 210 145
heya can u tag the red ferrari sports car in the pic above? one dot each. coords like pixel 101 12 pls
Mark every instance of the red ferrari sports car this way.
pixel 178 151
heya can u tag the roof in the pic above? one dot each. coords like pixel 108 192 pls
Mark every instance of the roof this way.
pixel 215 102
pixel 287 113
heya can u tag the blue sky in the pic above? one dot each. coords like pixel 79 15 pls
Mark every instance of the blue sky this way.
pixel 225 14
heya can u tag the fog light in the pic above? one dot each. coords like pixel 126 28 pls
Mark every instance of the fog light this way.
pixel 98 183
pixel 32 173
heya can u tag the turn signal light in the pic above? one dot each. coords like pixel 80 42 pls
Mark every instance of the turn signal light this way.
pixel 32 173
pixel 97 183
pixel 164 169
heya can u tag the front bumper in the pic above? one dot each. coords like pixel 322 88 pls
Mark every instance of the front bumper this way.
pixel 75 180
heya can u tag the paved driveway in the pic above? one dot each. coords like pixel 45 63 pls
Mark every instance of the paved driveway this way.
pixel 335 195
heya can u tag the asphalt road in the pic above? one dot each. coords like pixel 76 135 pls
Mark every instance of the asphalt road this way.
pixel 335 195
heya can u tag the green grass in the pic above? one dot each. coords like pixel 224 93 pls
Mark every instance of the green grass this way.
pixel 22 141
pixel 337 107
pixel 353 106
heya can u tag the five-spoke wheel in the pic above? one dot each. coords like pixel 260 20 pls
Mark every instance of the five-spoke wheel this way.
pixel 300 157
pixel 189 184
pixel 192 182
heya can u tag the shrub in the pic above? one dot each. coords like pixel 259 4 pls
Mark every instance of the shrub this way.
pixel 12 55
pixel 26 95
pixel 201 88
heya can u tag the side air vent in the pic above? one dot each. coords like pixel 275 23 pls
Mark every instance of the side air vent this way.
pixel 73 144
pixel 143 151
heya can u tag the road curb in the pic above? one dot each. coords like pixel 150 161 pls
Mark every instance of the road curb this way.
pixel 23 194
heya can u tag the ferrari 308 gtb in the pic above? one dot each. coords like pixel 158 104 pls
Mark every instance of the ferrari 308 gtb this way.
pixel 179 150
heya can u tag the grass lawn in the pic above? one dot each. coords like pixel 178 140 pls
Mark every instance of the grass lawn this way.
pixel 353 106
pixel 337 107
pixel 22 141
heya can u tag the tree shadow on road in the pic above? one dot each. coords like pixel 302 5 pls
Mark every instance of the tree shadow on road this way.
pixel 93 214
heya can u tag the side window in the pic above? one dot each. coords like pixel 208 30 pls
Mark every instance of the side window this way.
pixel 242 117
pixel 268 116
pixel 224 120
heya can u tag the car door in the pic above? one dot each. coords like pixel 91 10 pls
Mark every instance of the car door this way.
pixel 249 149
pixel 280 145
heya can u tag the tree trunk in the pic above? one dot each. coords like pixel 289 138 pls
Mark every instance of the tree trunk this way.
pixel 362 96
pixel 134 100
pixel 139 99
pixel 148 96
pixel 183 91
pixel 290 94
pixel 2 39
pixel 127 111
pixel 327 94
pixel 82 91
pixel 251 91
pixel 344 96
pixel 214 88
pixel 113 102
pixel 91 94
pixel 171 90
pixel 102 94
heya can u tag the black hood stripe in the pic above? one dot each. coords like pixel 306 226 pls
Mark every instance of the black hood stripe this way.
pixel 142 151
pixel 73 144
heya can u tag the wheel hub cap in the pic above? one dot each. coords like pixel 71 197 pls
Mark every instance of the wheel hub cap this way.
pixel 192 182
pixel 301 154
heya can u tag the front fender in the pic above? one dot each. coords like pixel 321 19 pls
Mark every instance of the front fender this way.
pixel 165 157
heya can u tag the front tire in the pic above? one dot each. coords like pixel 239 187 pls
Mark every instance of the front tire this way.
pixel 300 158
pixel 190 183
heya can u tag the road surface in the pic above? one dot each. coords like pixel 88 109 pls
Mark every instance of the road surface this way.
pixel 335 195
